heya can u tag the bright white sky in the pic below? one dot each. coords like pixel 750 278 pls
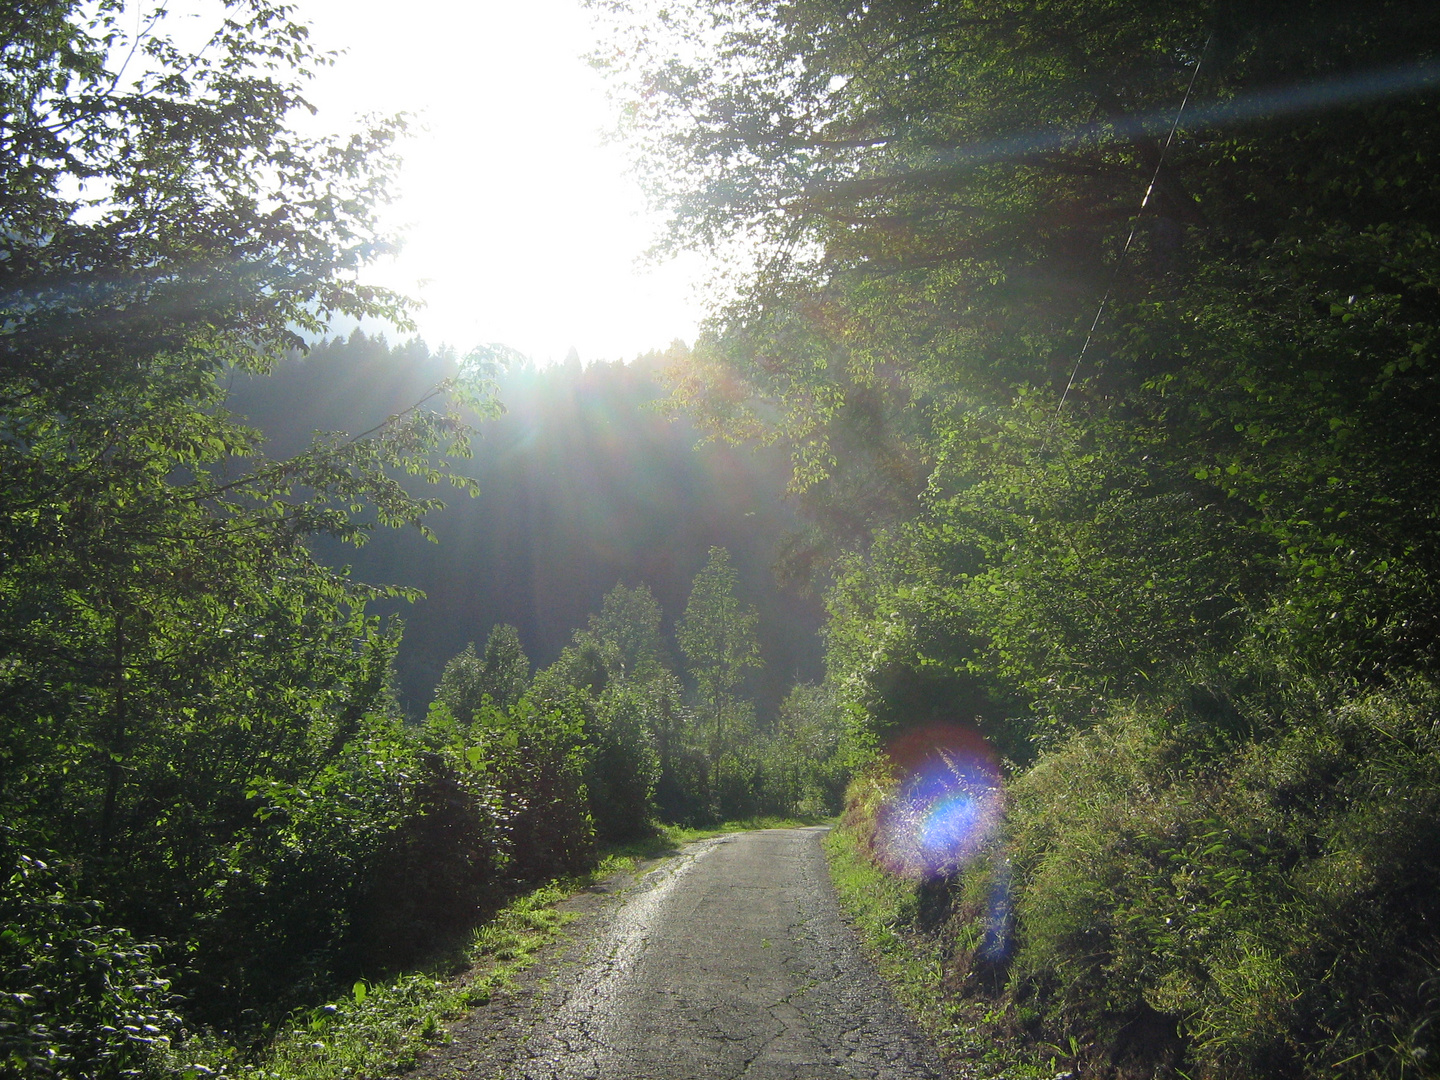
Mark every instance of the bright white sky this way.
pixel 521 227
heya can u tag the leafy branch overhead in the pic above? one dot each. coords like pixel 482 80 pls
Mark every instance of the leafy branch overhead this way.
pixel 939 196
pixel 1119 449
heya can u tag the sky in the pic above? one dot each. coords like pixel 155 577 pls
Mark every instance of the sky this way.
pixel 520 227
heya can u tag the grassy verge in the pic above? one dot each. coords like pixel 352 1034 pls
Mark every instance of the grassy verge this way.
pixel 677 835
pixel 380 1029
pixel 973 1036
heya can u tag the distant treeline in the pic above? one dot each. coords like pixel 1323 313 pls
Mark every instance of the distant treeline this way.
pixel 583 483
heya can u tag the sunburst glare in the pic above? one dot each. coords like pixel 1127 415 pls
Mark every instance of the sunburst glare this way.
pixel 519 223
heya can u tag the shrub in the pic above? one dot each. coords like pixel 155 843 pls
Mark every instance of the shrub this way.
pixel 623 766
pixel 682 792
pixel 1266 903
pixel 538 757
pixel 737 782
pixel 438 872
pixel 396 840
pixel 78 998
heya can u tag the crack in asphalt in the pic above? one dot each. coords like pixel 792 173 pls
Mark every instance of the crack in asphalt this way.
pixel 731 961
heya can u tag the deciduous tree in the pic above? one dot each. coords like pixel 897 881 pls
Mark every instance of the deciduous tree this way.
pixel 176 669
pixel 717 635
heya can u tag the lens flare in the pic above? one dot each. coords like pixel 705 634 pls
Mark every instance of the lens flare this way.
pixel 1300 99
pixel 946 806
pixel 996 942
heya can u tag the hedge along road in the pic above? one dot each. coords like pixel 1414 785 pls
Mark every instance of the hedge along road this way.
pixel 731 960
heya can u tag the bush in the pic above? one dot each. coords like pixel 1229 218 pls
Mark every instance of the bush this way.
pixel 1264 905
pixel 623 766
pixel 399 839
pixel 439 872
pixel 737 781
pixel 538 757
pixel 78 998
pixel 682 792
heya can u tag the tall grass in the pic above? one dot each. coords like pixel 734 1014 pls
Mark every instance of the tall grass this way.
pixel 1220 883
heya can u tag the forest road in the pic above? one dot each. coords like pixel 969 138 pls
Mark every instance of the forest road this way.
pixel 731 960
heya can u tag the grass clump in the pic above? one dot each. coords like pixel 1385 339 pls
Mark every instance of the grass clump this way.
pixel 915 940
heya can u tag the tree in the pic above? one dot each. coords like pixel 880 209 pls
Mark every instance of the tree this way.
pixel 941 196
pixel 164 203
pixel 502 674
pixel 625 764
pixel 506 668
pixel 627 633
pixel 175 659
pixel 717 635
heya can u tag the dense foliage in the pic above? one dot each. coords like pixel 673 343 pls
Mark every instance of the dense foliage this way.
pixel 647 748
pixel 1176 561
pixel 207 792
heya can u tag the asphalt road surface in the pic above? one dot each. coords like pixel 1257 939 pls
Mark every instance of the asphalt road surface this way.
pixel 729 961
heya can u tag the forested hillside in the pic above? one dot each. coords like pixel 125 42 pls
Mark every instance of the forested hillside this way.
pixel 1103 337
pixel 581 484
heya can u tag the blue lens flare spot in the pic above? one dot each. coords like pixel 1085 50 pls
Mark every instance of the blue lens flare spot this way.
pixel 946 804
pixel 948 824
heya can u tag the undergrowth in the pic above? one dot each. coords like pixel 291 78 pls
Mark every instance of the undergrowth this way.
pixel 384 1028
pixel 1214 884
pixel 888 914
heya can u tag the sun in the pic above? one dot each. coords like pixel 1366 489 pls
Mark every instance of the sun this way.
pixel 520 226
